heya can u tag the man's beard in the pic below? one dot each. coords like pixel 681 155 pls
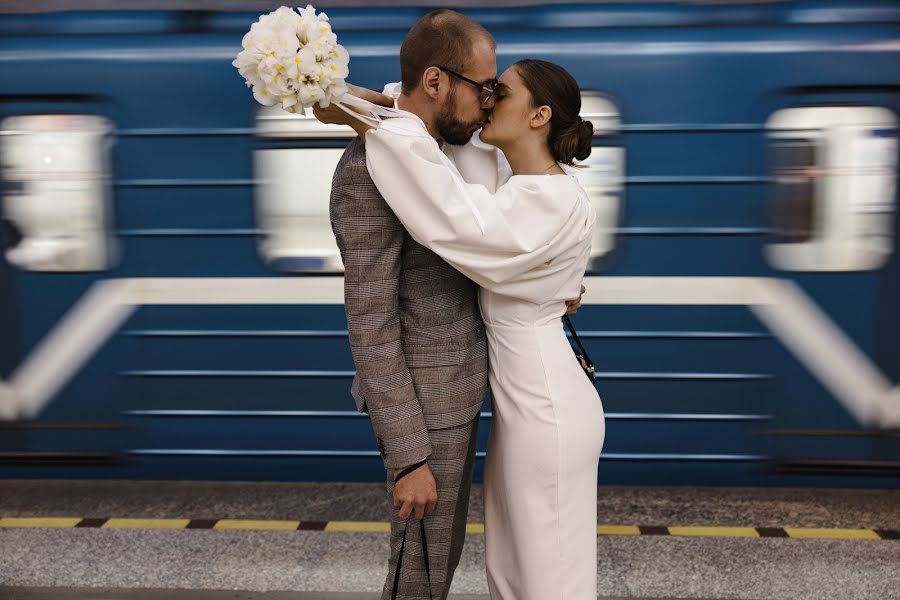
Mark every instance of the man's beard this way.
pixel 452 130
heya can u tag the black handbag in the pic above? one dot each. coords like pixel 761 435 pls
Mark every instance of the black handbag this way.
pixel 583 359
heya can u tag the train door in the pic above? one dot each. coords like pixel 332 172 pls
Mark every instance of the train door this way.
pixel 10 350
pixel 833 234
pixel 56 230
pixel 10 343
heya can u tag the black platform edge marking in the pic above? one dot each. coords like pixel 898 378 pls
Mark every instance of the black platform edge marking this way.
pixel 876 468
pixel 202 524
pixel 312 525
pixel 77 426
pixel 653 530
pixel 91 523
pixel 41 458
pixel 888 534
pixel 772 532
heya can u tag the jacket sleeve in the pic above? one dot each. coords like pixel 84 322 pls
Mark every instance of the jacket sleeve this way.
pixel 370 238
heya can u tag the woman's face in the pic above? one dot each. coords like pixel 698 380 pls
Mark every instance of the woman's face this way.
pixel 513 109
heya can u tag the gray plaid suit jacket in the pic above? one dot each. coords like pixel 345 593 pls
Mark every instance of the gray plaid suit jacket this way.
pixel 415 329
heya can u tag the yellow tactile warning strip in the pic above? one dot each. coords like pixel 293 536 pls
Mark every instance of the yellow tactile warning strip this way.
pixel 715 531
pixel 255 525
pixel 143 523
pixel 359 526
pixel 40 522
pixel 833 534
pixel 472 528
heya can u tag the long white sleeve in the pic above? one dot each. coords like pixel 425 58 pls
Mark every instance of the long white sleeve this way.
pixel 491 238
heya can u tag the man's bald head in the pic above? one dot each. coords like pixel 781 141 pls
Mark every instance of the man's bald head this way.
pixel 442 38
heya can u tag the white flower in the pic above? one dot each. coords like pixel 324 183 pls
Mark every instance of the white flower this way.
pixel 302 60
pixel 322 33
pixel 282 17
pixel 263 96
pixel 288 101
pixel 340 54
pixel 311 26
pixel 247 65
pixel 293 58
pixel 310 13
pixel 319 47
pixel 335 91
pixel 279 86
pixel 309 94
pixel 336 69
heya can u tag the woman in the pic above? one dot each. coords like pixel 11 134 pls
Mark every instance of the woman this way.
pixel 527 247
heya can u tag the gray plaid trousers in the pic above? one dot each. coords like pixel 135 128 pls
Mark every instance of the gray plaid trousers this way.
pixel 420 352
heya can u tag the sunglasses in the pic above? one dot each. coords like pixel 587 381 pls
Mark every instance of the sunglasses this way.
pixel 487 89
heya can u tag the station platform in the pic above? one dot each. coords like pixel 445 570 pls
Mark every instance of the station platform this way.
pixel 150 540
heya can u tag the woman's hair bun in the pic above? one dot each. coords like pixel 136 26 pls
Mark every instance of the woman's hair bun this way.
pixel 585 139
pixel 574 142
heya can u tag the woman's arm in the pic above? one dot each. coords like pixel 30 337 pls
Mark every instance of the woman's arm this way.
pixel 371 95
pixel 336 116
pixel 492 238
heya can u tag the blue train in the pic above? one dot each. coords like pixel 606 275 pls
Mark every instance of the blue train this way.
pixel 170 291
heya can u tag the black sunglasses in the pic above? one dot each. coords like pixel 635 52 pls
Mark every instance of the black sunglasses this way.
pixel 487 89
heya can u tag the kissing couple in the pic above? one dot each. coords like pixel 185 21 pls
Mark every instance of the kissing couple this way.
pixel 464 243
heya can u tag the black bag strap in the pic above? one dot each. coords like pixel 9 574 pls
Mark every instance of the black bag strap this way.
pixel 575 337
pixel 399 565
pixel 425 553
pixel 400 560
pixel 410 469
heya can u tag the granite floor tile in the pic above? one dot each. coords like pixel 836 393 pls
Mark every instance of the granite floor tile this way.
pixel 262 561
pixel 774 569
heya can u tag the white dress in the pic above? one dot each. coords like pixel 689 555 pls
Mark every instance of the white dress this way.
pixel 526 246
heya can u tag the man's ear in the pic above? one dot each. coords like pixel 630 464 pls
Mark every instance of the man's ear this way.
pixel 431 82
pixel 541 116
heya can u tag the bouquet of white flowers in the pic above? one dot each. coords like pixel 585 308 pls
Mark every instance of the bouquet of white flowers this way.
pixel 293 57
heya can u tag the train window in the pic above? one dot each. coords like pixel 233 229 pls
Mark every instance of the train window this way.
pixel 833 187
pixel 293 187
pixel 603 175
pixel 793 209
pixel 56 204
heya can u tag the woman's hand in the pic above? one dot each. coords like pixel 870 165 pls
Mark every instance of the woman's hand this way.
pixel 572 306
pixel 334 115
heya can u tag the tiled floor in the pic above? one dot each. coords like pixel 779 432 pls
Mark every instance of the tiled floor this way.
pixel 258 564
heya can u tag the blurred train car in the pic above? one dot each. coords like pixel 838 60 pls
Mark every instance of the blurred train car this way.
pixel 734 141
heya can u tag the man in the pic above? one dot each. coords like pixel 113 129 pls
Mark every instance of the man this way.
pixel 415 329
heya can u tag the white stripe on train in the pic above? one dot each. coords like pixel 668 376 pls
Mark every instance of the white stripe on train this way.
pixel 791 315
